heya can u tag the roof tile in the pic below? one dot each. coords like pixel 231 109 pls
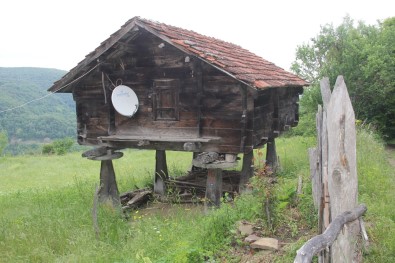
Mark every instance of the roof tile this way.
pixel 238 62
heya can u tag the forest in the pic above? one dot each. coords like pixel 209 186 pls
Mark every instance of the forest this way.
pixel 365 56
pixel 52 117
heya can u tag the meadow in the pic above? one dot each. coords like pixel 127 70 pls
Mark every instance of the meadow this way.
pixel 46 202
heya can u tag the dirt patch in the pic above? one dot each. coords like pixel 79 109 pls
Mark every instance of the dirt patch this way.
pixel 166 209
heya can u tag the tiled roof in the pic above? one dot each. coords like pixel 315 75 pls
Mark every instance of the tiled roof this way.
pixel 235 61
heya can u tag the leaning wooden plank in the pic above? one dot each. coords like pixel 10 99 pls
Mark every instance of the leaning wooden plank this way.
pixel 324 172
pixel 342 171
pixel 320 242
pixel 315 180
pixel 325 92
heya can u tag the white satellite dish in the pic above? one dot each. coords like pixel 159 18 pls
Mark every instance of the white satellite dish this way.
pixel 125 100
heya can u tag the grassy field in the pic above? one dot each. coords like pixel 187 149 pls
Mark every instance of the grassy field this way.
pixel 46 201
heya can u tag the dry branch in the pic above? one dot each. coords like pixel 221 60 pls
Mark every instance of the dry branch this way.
pixel 320 242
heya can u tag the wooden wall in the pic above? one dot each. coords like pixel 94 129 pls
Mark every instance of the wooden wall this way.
pixel 180 97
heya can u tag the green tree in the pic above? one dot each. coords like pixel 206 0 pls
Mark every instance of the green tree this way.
pixel 365 56
pixel 3 141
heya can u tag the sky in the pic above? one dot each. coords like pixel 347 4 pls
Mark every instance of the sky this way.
pixel 60 33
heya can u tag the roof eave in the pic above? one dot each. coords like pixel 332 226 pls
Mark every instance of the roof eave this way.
pixel 92 60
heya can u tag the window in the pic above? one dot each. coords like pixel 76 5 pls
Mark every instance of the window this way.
pixel 165 99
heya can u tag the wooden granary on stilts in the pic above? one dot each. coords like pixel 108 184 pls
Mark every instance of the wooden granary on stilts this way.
pixel 155 86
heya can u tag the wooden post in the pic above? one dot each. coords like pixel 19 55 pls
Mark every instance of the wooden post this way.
pixel 161 173
pixel 213 188
pixel 316 184
pixel 108 192
pixel 271 154
pixel 342 172
pixel 247 170
pixel 326 96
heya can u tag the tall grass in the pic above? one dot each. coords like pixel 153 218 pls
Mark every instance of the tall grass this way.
pixel 46 210
pixel 376 189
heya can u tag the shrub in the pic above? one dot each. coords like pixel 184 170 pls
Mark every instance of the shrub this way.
pixel 60 147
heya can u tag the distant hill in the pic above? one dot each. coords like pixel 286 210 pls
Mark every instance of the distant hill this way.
pixel 52 117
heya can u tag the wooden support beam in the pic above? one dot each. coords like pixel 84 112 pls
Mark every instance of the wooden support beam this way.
pixel 271 154
pixel 108 192
pixel 213 188
pixel 247 171
pixel 200 91
pixel 161 172
pixel 243 121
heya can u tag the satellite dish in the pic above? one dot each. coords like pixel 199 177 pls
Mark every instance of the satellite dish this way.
pixel 125 100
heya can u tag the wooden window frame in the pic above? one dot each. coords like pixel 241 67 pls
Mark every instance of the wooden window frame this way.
pixel 166 86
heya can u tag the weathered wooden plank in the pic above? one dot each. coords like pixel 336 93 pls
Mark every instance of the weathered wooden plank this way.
pixel 228 136
pixel 342 172
pixel 215 123
pixel 157 138
pixel 324 172
pixel 213 188
pixel 325 91
pixel 161 172
pixel 247 170
pixel 315 179
pixel 222 114
pixel 271 154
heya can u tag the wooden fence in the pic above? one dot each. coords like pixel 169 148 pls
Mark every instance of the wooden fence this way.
pixel 333 171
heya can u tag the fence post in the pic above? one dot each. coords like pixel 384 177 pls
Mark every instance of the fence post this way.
pixel 333 169
pixel 342 171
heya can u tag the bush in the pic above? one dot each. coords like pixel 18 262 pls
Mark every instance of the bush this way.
pixel 60 147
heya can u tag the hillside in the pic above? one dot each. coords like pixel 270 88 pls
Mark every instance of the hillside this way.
pixel 52 117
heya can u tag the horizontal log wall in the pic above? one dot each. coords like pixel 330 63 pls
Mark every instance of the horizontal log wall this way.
pixel 214 110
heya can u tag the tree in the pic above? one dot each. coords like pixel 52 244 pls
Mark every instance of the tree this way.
pixel 365 56
pixel 3 141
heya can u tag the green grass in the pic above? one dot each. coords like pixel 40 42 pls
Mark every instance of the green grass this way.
pixel 376 190
pixel 46 202
pixel 23 173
